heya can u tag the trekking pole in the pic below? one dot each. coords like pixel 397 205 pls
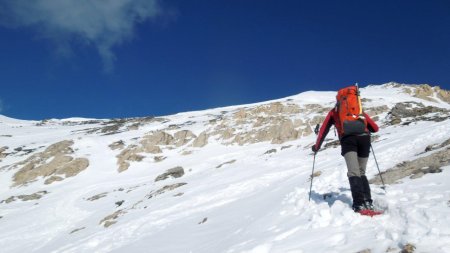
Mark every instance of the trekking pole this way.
pixel 316 131
pixel 312 176
pixel 376 162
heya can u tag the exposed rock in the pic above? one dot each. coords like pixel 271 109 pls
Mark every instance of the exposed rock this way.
pixel 285 132
pixel 115 126
pixel 34 196
pixel 416 168
pixel 225 163
pixel 437 146
pixel 424 91
pixel 157 138
pixel 201 140
pixel 364 251
pixel 241 114
pixel 97 196
pixel 119 203
pixel 183 137
pixel 315 174
pixel 317 108
pixel 2 154
pixel 227 133
pixel 332 144
pixel 112 218
pixel 271 151
pixel 286 147
pixel 444 95
pixel 128 155
pixel 373 111
pixel 427 92
pixel 76 230
pixel 203 221
pixel 174 172
pixel 73 167
pixel 271 122
pixel 159 158
pixel 150 144
pixel 117 145
pixel 53 161
pixel 53 179
pixel 408 248
pixel 187 152
pixel 150 149
pixel 317 120
pixel 165 189
pixel 416 111
pixel 134 126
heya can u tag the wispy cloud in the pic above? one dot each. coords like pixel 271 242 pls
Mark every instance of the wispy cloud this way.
pixel 103 24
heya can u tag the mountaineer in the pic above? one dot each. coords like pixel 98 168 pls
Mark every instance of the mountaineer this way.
pixel 354 128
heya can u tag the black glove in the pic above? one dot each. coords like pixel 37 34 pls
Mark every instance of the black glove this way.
pixel 313 148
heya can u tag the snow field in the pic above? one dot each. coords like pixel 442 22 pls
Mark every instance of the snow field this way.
pixel 257 204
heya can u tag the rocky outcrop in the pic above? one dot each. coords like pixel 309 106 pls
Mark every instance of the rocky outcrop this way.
pixel 112 218
pixel 285 132
pixel 34 196
pixel 2 153
pixel 426 92
pixel 55 160
pixel 130 154
pixel 174 172
pixel 151 144
pixel 164 190
pixel 115 126
pixel 413 111
pixel 117 145
pixel 183 137
pixel 225 163
pixel 201 140
pixel 443 95
pixel 423 91
pixel 416 168
pixel 97 196
pixel 157 138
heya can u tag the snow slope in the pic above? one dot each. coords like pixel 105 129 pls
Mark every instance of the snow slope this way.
pixel 235 198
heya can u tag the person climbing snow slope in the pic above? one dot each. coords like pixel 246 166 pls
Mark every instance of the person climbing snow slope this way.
pixel 353 127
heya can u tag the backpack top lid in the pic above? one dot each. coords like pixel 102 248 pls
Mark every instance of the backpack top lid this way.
pixel 344 92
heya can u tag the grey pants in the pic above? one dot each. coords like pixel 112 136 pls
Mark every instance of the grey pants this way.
pixel 356 165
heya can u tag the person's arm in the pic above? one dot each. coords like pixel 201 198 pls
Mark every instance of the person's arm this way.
pixel 328 122
pixel 371 125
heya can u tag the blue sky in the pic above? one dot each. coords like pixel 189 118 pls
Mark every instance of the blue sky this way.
pixel 127 58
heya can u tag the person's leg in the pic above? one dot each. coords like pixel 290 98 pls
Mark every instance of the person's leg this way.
pixel 356 183
pixel 365 183
pixel 363 157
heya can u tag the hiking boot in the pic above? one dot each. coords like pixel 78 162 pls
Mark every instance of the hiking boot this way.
pixel 359 208
pixel 369 205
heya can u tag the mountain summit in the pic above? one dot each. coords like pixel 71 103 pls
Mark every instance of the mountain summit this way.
pixel 233 179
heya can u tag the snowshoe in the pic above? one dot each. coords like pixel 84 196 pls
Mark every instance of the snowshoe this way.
pixel 371 213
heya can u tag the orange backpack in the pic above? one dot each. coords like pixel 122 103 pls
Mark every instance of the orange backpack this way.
pixel 350 113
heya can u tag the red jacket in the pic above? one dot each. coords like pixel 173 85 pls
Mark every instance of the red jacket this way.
pixel 331 119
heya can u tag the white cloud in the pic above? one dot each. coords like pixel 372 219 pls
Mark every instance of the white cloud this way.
pixel 100 23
